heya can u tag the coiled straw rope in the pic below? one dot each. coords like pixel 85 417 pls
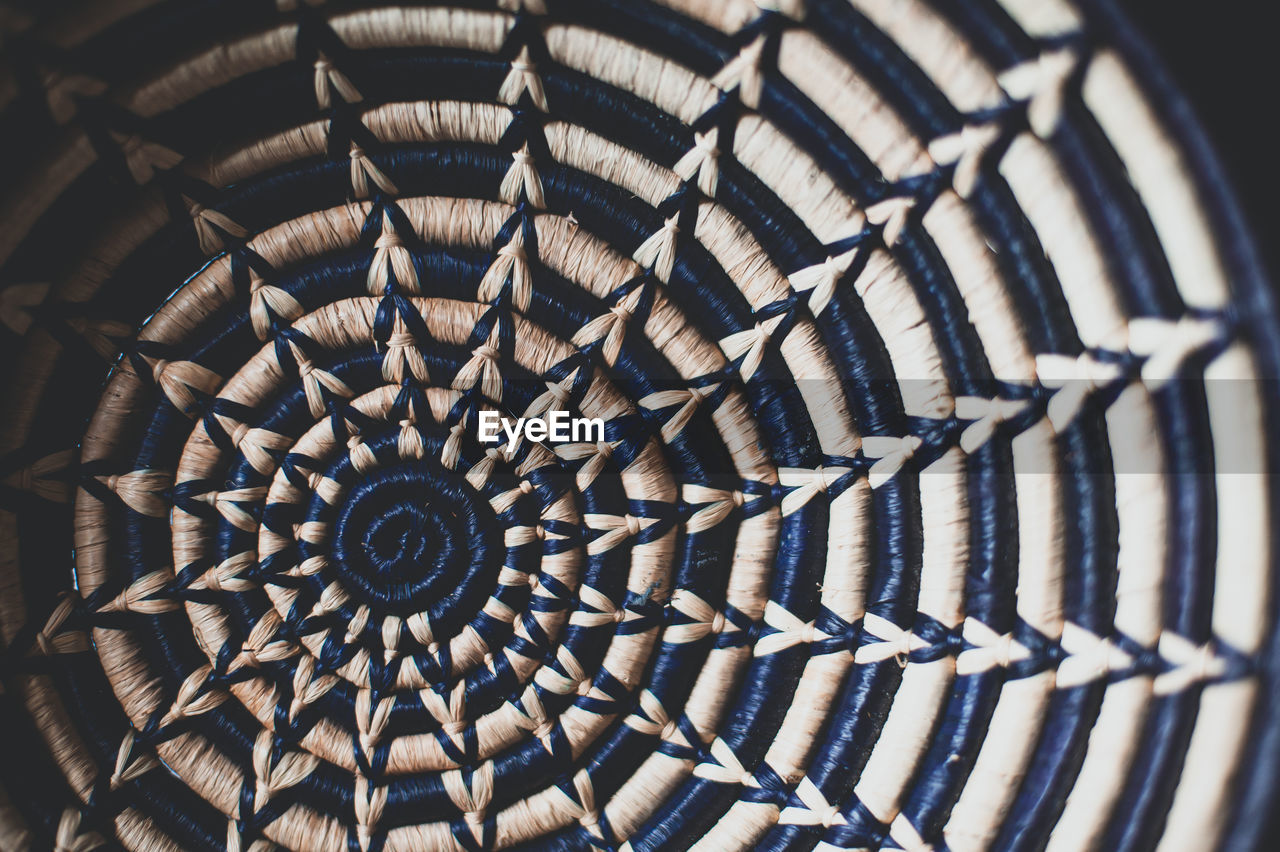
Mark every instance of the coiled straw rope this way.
pixel 931 510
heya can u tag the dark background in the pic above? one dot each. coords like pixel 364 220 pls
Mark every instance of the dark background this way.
pixel 1225 57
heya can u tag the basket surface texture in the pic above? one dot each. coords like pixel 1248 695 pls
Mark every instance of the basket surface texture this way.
pixel 929 507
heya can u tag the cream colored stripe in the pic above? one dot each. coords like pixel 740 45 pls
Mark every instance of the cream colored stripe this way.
pixel 1043 18
pixel 852 103
pixel 934 45
pixel 1049 202
pixel 1161 175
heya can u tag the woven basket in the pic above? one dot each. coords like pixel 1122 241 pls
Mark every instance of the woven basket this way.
pixel 931 510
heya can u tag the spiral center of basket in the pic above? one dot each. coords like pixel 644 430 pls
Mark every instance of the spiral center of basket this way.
pixel 409 541
pixel 411 538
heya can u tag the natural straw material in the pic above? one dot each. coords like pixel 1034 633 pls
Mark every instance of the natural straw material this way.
pixel 931 510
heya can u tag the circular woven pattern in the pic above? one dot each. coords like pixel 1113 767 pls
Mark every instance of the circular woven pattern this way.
pixel 928 510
